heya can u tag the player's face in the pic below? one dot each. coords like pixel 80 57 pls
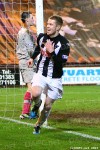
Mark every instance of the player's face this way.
pixel 30 20
pixel 52 28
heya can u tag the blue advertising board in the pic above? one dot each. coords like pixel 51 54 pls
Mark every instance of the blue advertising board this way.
pixel 81 75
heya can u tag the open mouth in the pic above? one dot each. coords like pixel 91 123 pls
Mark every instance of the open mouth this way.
pixel 48 30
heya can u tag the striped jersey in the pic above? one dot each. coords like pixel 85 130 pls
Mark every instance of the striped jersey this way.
pixel 51 64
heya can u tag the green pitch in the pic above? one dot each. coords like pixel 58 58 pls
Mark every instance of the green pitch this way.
pixel 75 121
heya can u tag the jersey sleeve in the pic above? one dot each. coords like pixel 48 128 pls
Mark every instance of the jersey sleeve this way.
pixel 25 45
pixel 37 48
pixel 29 42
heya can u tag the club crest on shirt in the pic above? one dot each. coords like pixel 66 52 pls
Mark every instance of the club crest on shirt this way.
pixel 64 57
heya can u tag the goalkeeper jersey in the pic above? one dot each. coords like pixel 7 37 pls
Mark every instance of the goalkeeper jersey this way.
pixel 25 44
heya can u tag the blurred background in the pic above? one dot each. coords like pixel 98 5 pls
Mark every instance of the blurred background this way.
pixel 81 27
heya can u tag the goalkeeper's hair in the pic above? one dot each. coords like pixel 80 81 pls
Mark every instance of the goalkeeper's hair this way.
pixel 25 15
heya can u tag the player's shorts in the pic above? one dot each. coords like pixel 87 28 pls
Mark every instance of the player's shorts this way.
pixel 26 72
pixel 53 85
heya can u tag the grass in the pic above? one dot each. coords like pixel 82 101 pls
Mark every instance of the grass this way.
pixel 78 111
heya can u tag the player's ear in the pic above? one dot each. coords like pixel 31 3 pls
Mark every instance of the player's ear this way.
pixel 26 20
pixel 58 27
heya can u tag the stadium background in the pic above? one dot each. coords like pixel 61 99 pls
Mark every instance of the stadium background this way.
pixel 81 27
pixel 74 122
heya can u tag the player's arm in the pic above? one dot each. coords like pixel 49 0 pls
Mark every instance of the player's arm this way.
pixel 35 53
pixel 20 43
pixel 37 48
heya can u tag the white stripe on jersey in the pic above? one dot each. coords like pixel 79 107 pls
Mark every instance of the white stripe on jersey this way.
pixel 50 67
pixel 58 48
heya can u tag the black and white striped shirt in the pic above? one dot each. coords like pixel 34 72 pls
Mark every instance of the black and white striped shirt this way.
pixel 51 64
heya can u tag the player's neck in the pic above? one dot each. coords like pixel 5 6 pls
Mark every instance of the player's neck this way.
pixel 26 26
pixel 54 35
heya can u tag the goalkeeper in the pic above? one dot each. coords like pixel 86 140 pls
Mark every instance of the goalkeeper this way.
pixel 24 49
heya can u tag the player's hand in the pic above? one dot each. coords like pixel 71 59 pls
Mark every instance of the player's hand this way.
pixel 49 46
pixel 30 62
